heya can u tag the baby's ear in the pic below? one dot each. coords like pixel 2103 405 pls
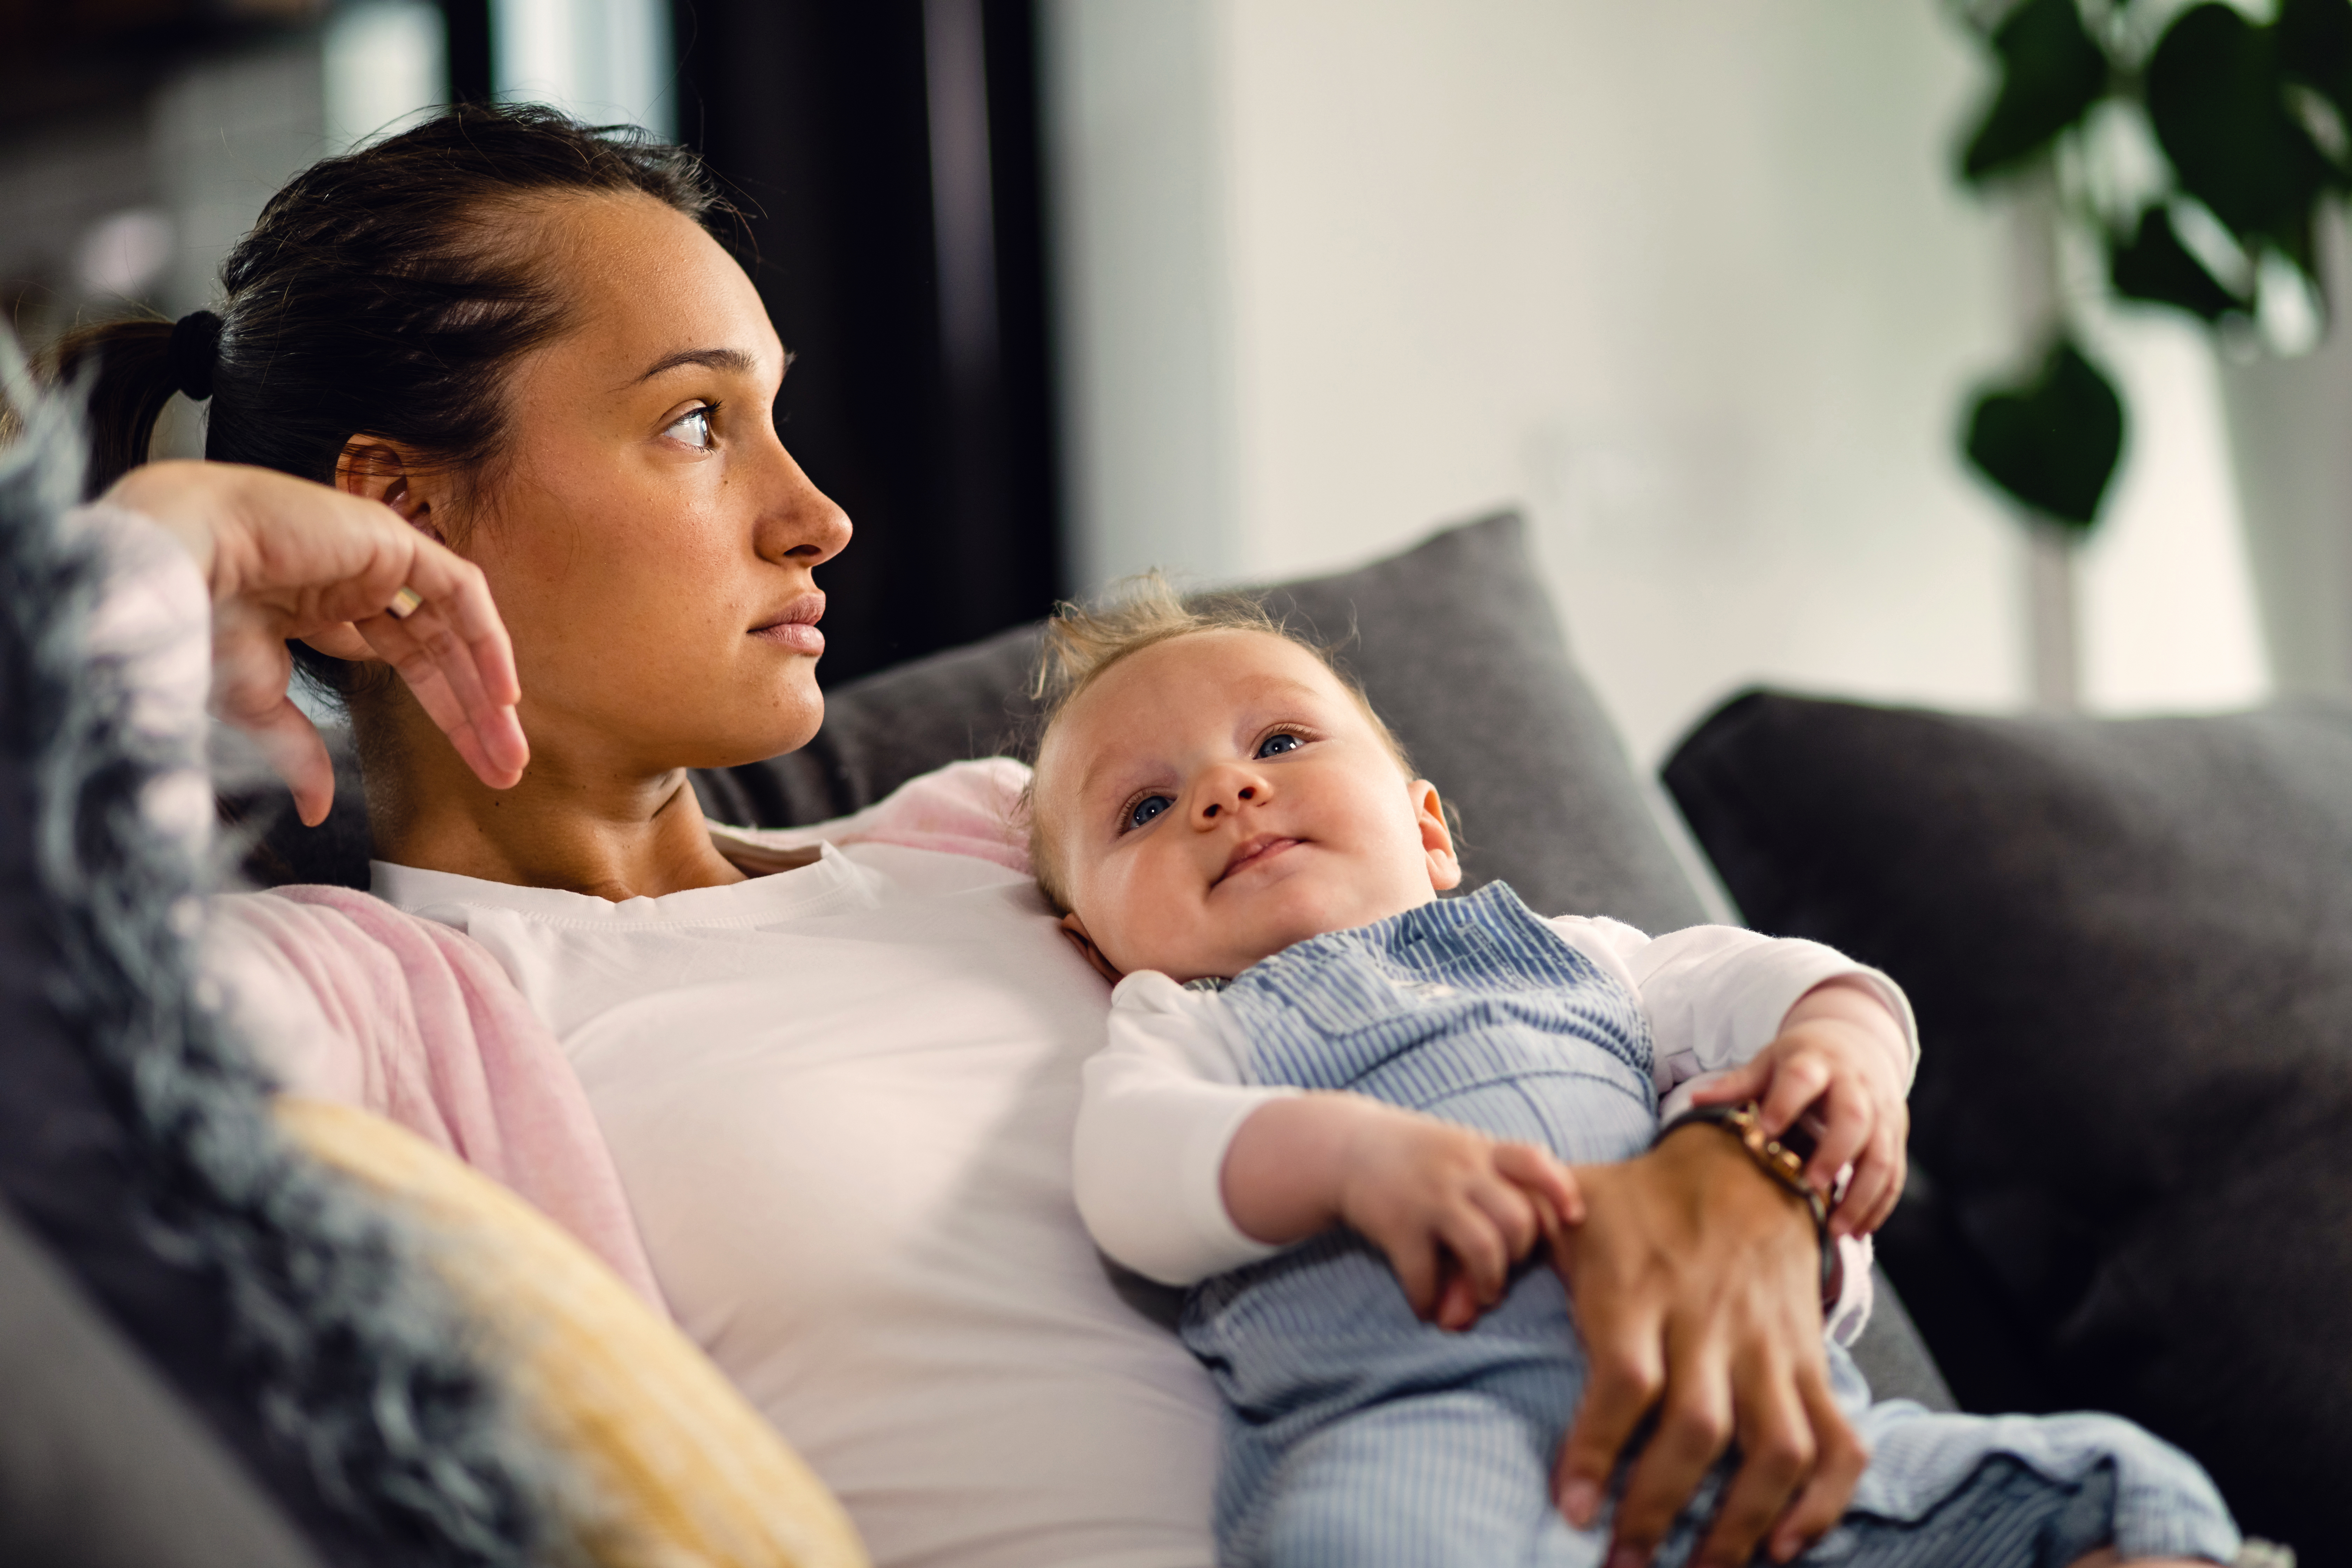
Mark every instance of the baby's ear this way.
pixel 1436 836
pixel 1075 930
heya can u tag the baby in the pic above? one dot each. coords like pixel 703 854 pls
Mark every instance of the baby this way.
pixel 1343 1110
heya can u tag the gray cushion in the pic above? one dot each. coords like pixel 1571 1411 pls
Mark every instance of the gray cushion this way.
pixel 100 1465
pixel 2130 947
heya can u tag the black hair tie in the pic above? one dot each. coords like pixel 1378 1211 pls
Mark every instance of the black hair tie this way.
pixel 195 349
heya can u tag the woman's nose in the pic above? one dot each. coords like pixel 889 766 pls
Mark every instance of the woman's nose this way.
pixel 801 525
pixel 1226 791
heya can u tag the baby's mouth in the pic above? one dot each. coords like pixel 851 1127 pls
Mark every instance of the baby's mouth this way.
pixel 1251 851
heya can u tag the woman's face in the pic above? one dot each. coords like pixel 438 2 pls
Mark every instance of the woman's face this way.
pixel 649 540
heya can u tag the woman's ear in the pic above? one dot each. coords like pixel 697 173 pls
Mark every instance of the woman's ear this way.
pixel 1075 930
pixel 1436 837
pixel 389 472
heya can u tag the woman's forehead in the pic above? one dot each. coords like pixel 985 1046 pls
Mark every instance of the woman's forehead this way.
pixel 649 284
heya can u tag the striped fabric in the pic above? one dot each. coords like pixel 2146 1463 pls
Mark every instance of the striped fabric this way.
pixel 1359 1437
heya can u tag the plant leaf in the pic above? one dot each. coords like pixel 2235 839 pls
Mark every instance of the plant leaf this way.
pixel 2217 100
pixel 2154 266
pixel 2315 48
pixel 2051 73
pixel 2053 440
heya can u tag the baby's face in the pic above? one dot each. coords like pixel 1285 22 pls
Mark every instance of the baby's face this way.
pixel 1217 797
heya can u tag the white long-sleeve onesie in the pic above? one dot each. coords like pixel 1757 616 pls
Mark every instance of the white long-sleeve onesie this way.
pixel 1165 1096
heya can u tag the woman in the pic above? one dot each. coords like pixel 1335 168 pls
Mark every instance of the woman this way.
pixel 516 379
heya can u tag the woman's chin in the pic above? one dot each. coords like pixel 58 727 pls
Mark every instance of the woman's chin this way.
pixel 786 723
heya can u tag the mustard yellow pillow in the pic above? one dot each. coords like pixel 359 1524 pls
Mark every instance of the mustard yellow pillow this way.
pixel 679 1471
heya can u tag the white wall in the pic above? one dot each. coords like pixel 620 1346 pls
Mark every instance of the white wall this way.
pixel 600 60
pixel 1686 278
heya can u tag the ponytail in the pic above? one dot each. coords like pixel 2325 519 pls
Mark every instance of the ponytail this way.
pixel 127 368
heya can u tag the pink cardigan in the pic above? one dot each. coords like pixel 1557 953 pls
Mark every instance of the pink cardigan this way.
pixel 426 1029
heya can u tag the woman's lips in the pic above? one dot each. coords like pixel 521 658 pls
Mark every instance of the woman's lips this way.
pixel 795 627
pixel 1255 851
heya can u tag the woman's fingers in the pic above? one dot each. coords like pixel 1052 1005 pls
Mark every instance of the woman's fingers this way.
pixel 1778 1449
pixel 290 744
pixel 1694 1427
pixel 250 671
pixel 453 651
pixel 302 560
pixel 1627 1370
pixel 457 596
pixel 1838 1461
pixel 460 690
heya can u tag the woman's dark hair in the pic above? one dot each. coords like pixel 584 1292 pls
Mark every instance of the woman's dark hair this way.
pixel 382 293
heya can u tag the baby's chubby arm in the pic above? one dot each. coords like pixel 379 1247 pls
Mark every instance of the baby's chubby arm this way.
pixel 1183 1168
pixel 1422 1190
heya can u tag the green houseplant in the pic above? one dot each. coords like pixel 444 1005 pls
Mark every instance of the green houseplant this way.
pixel 2195 151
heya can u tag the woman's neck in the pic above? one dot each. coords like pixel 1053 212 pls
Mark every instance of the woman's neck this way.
pixel 581 824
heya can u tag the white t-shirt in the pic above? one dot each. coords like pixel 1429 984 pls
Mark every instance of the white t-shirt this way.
pixel 1164 1098
pixel 841 1100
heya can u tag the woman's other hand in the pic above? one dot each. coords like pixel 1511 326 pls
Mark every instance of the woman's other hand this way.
pixel 1841 1055
pixel 1451 1207
pixel 1696 1281
pixel 287 558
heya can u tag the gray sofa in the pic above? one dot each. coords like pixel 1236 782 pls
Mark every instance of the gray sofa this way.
pixel 2063 1206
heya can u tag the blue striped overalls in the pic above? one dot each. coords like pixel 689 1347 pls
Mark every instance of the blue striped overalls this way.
pixel 1358 1436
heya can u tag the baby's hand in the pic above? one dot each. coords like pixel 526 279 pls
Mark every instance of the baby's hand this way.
pixel 1837 1055
pixel 1453 1208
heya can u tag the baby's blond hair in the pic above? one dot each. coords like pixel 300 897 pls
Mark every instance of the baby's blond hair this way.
pixel 1083 641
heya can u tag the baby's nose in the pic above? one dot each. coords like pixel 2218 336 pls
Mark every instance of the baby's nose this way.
pixel 1210 811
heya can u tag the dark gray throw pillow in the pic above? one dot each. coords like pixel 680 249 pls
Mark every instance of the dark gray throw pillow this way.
pixel 1456 645
pixel 2130 947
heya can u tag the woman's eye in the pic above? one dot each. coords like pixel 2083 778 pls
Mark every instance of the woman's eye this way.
pixel 1147 808
pixel 693 428
pixel 1275 745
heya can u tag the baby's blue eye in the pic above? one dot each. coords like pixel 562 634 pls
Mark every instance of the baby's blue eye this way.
pixel 1275 745
pixel 693 428
pixel 1147 808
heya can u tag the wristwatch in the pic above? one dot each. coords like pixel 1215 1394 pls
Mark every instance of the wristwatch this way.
pixel 1783 1158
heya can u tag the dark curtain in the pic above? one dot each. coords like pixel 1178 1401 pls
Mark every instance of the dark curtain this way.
pixel 887 155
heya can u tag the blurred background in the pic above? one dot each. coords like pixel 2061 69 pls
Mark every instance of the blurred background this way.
pixel 1254 288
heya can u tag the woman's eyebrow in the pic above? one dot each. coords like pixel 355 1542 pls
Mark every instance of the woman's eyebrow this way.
pixel 732 360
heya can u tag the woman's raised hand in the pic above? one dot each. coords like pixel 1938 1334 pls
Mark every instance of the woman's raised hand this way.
pixel 287 558
pixel 1696 1281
